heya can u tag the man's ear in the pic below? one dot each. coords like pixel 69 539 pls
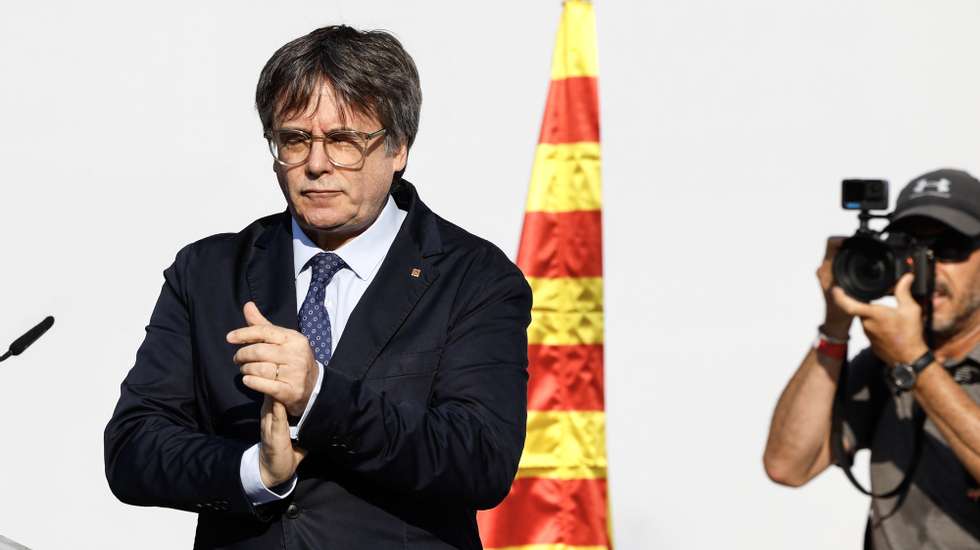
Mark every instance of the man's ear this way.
pixel 401 158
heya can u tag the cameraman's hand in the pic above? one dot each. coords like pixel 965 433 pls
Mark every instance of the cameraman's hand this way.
pixel 895 332
pixel 837 322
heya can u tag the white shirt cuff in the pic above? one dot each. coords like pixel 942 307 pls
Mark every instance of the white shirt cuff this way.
pixel 251 476
pixel 294 430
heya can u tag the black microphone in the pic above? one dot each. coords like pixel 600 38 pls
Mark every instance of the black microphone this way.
pixel 28 338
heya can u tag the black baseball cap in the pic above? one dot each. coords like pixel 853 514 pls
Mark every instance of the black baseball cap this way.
pixel 950 197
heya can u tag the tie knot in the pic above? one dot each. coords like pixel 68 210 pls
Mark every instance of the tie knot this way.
pixel 325 265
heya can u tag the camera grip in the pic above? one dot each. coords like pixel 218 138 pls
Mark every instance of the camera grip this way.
pixel 924 270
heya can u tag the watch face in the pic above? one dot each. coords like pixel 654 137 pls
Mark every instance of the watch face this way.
pixel 903 376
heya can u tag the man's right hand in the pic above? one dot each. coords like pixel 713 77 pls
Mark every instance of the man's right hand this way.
pixel 837 322
pixel 278 457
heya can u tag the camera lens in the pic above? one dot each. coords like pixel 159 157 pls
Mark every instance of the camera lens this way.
pixel 866 273
pixel 865 268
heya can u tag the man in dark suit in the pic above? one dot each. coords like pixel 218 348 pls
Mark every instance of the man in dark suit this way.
pixel 348 374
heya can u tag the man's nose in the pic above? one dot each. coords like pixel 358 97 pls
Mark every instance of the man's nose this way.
pixel 318 163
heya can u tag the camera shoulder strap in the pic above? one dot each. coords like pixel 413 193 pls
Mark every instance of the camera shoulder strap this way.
pixel 846 461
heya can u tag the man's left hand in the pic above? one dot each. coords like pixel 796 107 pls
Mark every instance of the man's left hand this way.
pixel 895 332
pixel 277 361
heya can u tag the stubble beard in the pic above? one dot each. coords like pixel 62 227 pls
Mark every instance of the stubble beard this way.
pixel 960 320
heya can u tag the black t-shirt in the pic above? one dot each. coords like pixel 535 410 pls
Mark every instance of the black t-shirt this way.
pixel 938 511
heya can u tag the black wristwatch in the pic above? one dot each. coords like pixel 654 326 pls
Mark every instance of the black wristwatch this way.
pixel 904 375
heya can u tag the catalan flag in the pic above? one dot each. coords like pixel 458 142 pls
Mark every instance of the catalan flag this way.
pixel 559 500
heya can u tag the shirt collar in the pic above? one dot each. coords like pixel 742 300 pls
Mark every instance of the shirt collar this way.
pixel 362 254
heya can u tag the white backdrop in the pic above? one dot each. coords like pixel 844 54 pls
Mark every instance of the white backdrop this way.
pixel 129 131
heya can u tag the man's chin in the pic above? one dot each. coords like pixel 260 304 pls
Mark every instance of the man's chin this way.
pixel 318 225
pixel 323 219
pixel 944 324
pixel 941 327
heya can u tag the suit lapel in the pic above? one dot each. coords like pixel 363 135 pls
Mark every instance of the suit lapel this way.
pixel 400 283
pixel 271 281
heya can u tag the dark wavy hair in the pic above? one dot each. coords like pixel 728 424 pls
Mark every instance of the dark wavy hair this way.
pixel 370 73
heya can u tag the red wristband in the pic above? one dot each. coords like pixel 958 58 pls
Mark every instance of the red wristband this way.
pixel 830 349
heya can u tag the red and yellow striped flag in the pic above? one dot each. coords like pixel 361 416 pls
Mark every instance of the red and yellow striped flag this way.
pixel 559 500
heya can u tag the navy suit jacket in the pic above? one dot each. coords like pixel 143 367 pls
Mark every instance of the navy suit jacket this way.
pixel 420 420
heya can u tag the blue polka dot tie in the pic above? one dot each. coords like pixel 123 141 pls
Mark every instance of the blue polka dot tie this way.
pixel 314 322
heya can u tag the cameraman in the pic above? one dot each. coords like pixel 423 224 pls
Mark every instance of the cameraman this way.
pixel 938 508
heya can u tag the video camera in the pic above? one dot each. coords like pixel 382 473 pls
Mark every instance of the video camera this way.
pixel 869 263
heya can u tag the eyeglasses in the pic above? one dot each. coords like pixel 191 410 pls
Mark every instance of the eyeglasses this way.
pixel 344 148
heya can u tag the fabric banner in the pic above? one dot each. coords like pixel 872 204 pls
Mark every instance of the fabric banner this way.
pixel 559 500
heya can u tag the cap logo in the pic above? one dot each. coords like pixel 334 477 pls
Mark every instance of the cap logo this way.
pixel 926 187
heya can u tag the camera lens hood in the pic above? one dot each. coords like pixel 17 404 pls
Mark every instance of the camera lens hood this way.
pixel 866 267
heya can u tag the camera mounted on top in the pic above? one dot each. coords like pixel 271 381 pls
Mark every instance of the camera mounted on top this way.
pixel 869 263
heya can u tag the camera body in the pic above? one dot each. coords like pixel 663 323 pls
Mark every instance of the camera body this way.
pixel 869 263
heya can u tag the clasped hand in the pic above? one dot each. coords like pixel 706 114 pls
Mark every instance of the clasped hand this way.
pixel 895 333
pixel 277 362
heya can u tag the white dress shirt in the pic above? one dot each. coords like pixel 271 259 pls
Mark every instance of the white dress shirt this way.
pixel 363 255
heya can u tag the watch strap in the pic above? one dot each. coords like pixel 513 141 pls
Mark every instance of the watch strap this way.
pixel 922 362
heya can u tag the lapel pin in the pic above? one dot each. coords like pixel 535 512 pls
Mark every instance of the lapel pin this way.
pixel 416 272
